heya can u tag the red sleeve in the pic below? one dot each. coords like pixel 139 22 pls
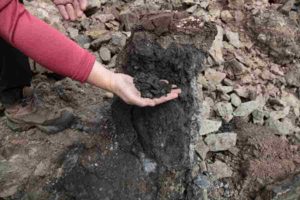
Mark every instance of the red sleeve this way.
pixel 43 43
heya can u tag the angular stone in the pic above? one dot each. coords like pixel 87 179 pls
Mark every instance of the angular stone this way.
pixel 128 19
pixel 219 170
pixel 280 114
pixel 293 77
pixel 225 110
pixel 102 39
pixel 224 89
pixel 216 50
pixel 226 16
pixel 118 39
pixel 105 17
pixel 221 141
pixel 105 54
pixel 233 38
pixel 283 127
pixel 209 126
pixel 73 32
pixel 202 149
pixel 214 76
pixel 246 109
pixel 258 117
pixel 235 67
pixel 235 100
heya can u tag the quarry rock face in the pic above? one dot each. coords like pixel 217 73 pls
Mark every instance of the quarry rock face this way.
pixel 153 151
pixel 276 34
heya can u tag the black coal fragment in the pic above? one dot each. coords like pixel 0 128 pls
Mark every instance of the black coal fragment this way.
pixel 151 86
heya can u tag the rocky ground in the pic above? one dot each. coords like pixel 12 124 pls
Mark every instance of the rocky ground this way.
pixel 249 146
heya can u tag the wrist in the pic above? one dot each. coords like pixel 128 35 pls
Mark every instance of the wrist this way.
pixel 102 77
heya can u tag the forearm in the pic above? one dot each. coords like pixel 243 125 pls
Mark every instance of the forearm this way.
pixel 43 43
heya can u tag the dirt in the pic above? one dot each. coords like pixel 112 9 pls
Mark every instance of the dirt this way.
pixel 151 86
pixel 266 158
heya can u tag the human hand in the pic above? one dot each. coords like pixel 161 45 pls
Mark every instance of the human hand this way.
pixel 70 9
pixel 122 85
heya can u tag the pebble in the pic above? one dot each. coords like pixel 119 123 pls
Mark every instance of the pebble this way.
pixel 221 141
pixel 105 54
pixel 209 126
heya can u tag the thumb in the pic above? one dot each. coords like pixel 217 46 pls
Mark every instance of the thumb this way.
pixel 83 4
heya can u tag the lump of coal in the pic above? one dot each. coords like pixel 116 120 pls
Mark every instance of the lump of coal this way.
pixel 151 86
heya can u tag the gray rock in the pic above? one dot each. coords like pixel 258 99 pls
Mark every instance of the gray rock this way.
pixel 235 67
pixel 284 127
pixel 235 100
pixel 233 38
pixel 246 109
pixel 105 54
pixel 221 142
pixel 224 89
pixel 214 76
pixel 98 42
pixel 73 32
pixel 258 117
pixel 42 168
pixel 209 126
pixel 118 39
pixel 293 77
pixel 128 19
pixel 202 149
pixel 93 4
pixel 203 181
pixel 225 110
pixel 280 114
pixel 216 50
pixel 219 170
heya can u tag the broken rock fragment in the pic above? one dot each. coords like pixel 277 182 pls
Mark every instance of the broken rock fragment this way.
pixel 221 141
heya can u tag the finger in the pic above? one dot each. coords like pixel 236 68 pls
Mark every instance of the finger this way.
pixel 177 91
pixel 62 2
pixel 164 99
pixel 77 8
pixel 165 81
pixel 83 4
pixel 71 12
pixel 174 86
pixel 62 10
